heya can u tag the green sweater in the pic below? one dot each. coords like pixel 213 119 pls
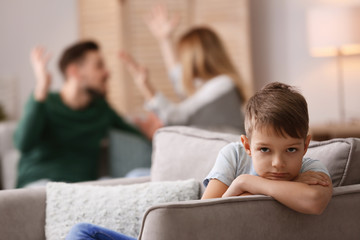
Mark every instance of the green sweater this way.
pixel 62 144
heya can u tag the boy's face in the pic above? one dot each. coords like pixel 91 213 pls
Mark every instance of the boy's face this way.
pixel 275 157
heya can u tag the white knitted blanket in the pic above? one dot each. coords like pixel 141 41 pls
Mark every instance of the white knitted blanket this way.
pixel 120 208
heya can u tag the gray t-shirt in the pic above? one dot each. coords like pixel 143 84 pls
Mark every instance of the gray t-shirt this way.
pixel 233 161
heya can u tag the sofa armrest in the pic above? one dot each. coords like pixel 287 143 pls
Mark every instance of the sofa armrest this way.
pixel 22 213
pixel 23 210
pixel 253 217
pixel 7 130
pixel 8 167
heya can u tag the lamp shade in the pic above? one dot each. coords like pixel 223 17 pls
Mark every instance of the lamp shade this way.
pixel 333 31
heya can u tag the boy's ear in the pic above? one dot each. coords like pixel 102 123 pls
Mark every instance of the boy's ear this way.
pixel 307 142
pixel 245 141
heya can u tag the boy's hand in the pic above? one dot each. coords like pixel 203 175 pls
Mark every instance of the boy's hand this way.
pixel 39 60
pixel 237 186
pixel 309 193
pixel 313 178
pixel 245 182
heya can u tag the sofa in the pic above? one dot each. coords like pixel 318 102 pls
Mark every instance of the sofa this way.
pixel 8 155
pixel 181 153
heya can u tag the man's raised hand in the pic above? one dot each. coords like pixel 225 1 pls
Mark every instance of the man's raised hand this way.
pixel 39 60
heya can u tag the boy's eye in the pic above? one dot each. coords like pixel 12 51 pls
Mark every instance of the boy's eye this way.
pixel 264 150
pixel 291 150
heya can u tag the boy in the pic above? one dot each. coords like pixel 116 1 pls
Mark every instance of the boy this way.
pixel 269 160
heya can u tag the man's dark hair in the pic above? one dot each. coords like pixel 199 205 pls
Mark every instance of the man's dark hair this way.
pixel 76 53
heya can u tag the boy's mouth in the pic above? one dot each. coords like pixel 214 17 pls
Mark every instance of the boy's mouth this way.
pixel 278 175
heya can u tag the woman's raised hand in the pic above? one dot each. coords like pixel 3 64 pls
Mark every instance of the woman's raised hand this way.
pixel 160 24
pixel 139 74
pixel 39 59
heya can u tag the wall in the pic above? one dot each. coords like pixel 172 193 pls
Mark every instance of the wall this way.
pixel 24 24
pixel 280 53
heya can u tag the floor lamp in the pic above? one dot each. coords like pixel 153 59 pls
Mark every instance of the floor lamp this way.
pixel 335 32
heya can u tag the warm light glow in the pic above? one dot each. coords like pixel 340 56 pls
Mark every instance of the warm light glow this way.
pixel 334 31
pixel 351 49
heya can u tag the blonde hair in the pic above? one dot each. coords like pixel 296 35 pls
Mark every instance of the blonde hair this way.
pixel 203 55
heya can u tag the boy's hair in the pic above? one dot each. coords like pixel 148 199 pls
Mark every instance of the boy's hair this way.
pixel 76 53
pixel 279 106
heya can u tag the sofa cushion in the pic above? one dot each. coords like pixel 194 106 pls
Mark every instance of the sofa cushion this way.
pixel 341 157
pixel 6 136
pixel 127 152
pixel 119 208
pixel 8 166
pixel 7 129
pixel 185 152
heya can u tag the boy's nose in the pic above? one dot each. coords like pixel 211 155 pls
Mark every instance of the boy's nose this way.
pixel 277 162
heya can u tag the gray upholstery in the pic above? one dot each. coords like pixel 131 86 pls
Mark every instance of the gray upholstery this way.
pixel 254 218
pixel 230 116
pixel 341 157
pixel 8 155
pixel 23 210
pixel 22 214
pixel 127 152
pixel 6 132
pixel 182 152
pixel 9 161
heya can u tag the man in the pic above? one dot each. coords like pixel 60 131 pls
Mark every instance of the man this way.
pixel 59 134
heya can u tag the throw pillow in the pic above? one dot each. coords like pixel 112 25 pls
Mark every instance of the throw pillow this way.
pixel 120 208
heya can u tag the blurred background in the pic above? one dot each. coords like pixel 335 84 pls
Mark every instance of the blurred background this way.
pixel 268 40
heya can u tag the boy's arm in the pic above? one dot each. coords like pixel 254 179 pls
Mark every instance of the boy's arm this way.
pixel 299 196
pixel 215 189
pixel 223 172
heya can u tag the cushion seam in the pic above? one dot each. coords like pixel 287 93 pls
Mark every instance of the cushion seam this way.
pixel 196 136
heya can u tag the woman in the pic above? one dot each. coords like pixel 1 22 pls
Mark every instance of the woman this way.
pixel 202 75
